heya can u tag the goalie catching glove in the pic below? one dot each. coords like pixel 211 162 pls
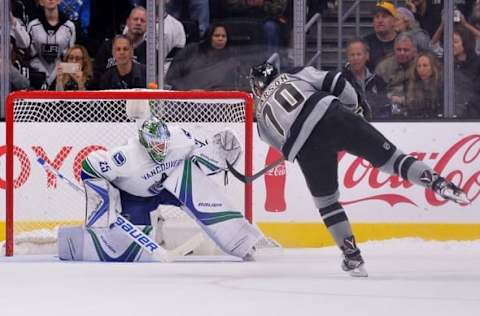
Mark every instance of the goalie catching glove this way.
pixel 224 146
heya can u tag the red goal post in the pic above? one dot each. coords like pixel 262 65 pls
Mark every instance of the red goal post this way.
pixel 57 125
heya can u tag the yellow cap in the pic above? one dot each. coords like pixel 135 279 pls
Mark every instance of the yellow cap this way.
pixel 387 6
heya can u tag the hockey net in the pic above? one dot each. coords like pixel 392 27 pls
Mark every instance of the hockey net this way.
pixel 64 127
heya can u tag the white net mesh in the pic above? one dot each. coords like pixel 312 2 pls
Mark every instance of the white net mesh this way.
pixel 63 128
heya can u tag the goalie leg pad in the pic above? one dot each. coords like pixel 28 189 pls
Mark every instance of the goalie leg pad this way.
pixel 102 203
pixel 99 244
pixel 236 237
pixel 204 202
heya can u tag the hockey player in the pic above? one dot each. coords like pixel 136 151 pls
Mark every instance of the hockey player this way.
pixel 166 165
pixel 311 115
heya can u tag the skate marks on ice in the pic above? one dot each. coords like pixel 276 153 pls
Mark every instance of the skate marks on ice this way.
pixel 407 277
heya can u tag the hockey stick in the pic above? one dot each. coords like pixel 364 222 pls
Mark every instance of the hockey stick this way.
pixel 248 179
pixel 130 230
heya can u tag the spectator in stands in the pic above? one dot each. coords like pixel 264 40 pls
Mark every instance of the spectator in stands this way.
pixel 26 10
pixel 394 70
pixel 107 19
pixel 382 39
pixel 49 38
pixel 269 12
pixel 405 22
pixel 127 74
pixel 136 28
pixel 209 64
pixel 424 98
pixel 371 87
pixel 198 10
pixel 18 30
pixel 427 12
pixel 78 79
pixel 174 38
pixel 17 80
pixel 466 74
pixel 473 25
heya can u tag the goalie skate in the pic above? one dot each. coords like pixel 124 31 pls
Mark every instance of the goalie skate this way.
pixel 450 191
pixel 353 262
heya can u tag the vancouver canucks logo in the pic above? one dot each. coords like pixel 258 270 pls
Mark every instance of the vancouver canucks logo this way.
pixel 119 158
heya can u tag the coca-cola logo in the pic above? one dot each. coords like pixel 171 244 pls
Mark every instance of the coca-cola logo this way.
pixel 463 153
pixel 279 170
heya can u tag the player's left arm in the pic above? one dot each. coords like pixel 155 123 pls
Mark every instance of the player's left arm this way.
pixel 213 156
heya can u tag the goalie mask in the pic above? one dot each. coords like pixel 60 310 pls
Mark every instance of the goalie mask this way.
pixel 261 76
pixel 154 136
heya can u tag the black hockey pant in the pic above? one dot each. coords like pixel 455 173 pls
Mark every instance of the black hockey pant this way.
pixel 339 130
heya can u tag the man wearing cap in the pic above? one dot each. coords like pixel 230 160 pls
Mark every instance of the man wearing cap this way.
pixel 382 39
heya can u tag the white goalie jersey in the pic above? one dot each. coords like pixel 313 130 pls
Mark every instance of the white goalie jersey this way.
pixel 131 169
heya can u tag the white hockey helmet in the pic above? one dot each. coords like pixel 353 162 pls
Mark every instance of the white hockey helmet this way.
pixel 154 135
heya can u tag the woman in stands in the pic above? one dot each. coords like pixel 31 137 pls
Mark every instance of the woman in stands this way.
pixel 208 65
pixel 75 72
pixel 424 92
pixel 466 74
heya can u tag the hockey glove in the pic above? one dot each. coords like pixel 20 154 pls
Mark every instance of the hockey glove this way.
pixel 229 148
pixel 212 158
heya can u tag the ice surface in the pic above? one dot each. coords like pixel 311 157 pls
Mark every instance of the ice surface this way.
pixel 407 277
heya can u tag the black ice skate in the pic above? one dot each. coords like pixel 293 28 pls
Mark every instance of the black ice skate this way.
pixel 449 191
pixel 353 262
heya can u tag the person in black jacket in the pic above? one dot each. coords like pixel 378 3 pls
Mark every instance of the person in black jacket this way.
pixel 127 74
pixel 209 64
pixel 371 87
pixel 466 74
pixel 137 27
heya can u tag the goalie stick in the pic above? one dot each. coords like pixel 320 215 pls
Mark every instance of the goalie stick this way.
pixel 127 227
pixel 253 177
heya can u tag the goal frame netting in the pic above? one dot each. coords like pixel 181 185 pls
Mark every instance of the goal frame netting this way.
pixel 116 95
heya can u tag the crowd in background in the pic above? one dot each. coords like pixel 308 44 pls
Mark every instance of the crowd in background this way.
pixel 94 44
pixel 398 66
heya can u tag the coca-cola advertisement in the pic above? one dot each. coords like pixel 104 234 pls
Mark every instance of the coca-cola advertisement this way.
pixel 275 180
pixel 369 195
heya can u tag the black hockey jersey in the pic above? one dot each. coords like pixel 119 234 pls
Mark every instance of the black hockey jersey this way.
pixel 294 103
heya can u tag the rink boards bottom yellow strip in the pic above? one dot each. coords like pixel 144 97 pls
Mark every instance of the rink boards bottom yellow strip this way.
pixel 26 226
pixel 312 234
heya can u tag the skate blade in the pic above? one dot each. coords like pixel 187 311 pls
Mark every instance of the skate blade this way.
pixel 460 198
pixel 359 272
